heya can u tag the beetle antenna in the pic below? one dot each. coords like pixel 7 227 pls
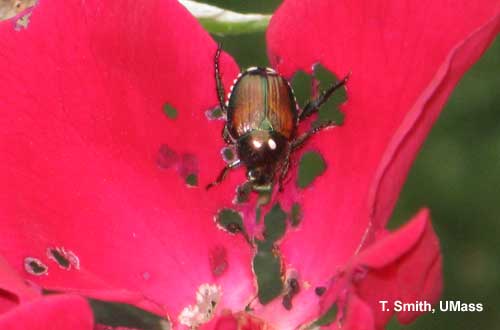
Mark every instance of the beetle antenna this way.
pixel 218 81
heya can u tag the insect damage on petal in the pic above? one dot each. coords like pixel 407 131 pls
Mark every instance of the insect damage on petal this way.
pixel 35 266
pixel 218 260
pixel 170 111
pixel 262 121
pixel 11 8
pixel 207 298
pixel 185 164
pixel 64 258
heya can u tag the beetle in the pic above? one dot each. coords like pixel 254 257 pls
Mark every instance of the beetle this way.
pixel 262 117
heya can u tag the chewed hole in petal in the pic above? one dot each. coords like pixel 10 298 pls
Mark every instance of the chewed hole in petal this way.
pixel 170 111
pixel 192 180
pixel 243 192
pixel 229 220
pixel 207 299
pixel 328 112
pixel 215 114
pixel 311 166
pixel 295 215
pixel 35 266
pixel 292 289
pixel 228 154
pixel 64 258
pixel 188 169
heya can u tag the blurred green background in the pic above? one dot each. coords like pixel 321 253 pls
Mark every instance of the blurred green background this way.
pixel 457 175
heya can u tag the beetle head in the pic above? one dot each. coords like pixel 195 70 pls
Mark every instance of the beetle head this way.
pixel 261 151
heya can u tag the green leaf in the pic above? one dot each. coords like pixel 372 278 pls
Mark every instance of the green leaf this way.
pixel 124 315
pixel 327 318
pixel 275 224
pixel 267 269
pixel 311 166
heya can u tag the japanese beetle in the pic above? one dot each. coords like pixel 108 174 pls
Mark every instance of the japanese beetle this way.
pixel 262 119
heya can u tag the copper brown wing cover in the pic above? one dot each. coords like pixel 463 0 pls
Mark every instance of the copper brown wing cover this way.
pixel 258 96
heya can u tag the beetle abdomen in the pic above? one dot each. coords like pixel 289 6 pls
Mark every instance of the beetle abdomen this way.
pixel 261 100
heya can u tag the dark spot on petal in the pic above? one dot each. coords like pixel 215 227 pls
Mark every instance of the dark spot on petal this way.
pixel 320 290
pixel 170 111
pixel 293 285
pixel 295 215
pixel 311 166
pixel 287 302
pixel 166 157
pixel 188 165
pixel 293 288
pixel 34 266
pixel 192 180
pixel 218 260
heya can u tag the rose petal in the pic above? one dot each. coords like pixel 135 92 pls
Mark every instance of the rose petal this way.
pixel 53 312
pixel 13 289
pixel 400 55
pixel 82 94
pixel 404 265
pixel 359 316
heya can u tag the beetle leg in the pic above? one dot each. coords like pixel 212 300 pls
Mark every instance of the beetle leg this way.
pixel 298 142
pixel 314 105
pixel 226 136
pixel 218 81
pixel 223 173
pixel 284 171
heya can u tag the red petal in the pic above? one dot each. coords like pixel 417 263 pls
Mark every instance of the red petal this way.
pixel 359 316
pixel 82 94
pixel 404 59
pixel 404 265
pixel 53 312
pixel 13 289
